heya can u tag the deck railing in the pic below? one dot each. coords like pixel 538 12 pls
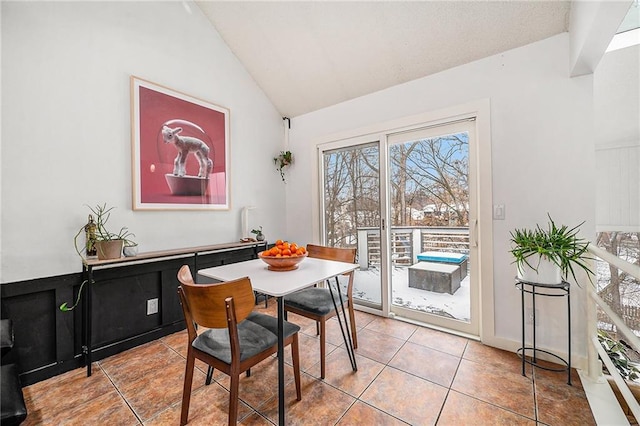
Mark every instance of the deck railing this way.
pixel 407 242
pixel 595 349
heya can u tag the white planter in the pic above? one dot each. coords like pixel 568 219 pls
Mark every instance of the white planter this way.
pixel 548 272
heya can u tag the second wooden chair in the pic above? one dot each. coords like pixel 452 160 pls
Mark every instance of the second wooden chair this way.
pixel 316 303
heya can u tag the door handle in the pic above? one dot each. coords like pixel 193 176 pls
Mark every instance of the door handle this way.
pixel 475 233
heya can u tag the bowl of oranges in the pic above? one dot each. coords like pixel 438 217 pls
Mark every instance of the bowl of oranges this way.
pixel 283 256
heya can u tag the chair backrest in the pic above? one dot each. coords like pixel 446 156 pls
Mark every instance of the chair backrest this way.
pixel 332 253
pixel 207 303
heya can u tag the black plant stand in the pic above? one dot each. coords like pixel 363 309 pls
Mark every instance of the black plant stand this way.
pixel 546 290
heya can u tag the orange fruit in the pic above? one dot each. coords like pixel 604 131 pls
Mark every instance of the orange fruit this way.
pixel 278 242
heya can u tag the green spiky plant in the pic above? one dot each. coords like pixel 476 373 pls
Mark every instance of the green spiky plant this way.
pixel 560 245
pixel 102 213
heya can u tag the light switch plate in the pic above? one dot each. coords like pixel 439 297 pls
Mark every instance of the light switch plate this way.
pixel 498 212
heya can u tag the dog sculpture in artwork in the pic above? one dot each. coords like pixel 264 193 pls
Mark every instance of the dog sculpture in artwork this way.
pixel 185 145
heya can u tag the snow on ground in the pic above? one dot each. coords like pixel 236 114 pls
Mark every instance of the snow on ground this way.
pixel 367 287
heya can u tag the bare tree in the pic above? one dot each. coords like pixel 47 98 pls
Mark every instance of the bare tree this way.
pixel 437 168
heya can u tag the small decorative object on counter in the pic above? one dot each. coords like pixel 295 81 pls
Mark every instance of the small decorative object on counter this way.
pixel 130 249
pixel 90 234
pixel 259 234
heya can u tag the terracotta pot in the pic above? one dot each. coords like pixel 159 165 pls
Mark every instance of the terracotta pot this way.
pixel 109 249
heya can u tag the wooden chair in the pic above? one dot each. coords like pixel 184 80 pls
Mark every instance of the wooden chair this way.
pixel 315 303
pixel 237 338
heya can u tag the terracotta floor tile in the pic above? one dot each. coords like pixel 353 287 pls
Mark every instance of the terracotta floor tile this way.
pixel 158 389
pixel 556 376
pixel 496 385
pixel 409 398
pixel 321 404
pixel 107 408
pixel 445 342
pixel 334 334
pixel 144 384
pixel 340 374
pixel 363 318
pixel 478 352
pixel 377 346
pixel 262 385
pixel 460 409
pixel 559 403
pixel 209 405
pixel 309 349
pixel 426 363
pixel 392 327
pixel 176 341
pixel 136 363
pixel 61 393
pixel 363 414
pixel 304 322
pixel 255 419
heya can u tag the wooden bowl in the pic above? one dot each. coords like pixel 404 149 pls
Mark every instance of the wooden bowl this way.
pixel 282 263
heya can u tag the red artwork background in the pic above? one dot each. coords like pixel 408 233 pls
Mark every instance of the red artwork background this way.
pixel 156 158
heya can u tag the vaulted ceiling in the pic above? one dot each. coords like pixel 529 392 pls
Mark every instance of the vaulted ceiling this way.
pixel 309 55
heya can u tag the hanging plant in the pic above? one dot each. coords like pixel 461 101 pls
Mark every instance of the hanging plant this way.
pixel 284 159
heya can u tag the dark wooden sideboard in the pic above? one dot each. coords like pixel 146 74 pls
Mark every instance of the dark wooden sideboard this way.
pixel 112 314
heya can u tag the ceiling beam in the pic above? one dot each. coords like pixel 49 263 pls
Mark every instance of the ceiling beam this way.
pixel 591 27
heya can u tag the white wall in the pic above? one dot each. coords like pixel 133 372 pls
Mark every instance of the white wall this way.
pixel 617 136
pixel 542 155
pixel 66 132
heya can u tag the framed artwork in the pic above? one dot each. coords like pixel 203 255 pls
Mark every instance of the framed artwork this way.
pixel 180 150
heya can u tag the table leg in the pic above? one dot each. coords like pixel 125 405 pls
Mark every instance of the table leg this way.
pixel 281 414
pixel 346 336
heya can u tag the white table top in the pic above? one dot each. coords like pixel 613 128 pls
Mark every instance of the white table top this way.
pixel 278 284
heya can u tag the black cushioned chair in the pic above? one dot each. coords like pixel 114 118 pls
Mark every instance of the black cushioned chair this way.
pixel 13 408
pixel 236 338
pixel 316 303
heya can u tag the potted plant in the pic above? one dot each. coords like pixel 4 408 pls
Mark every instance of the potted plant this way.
pixel 284 159
pixel 547 256
pixel 259 234
pixel 108 245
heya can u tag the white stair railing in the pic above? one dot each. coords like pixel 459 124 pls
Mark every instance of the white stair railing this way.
pixel 595 369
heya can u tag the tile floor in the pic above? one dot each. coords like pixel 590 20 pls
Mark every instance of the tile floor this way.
pixel 406 375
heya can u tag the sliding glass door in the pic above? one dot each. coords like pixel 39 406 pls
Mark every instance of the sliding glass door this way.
pixel 406 201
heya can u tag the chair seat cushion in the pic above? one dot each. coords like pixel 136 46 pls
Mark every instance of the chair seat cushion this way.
pixel 256 333
pixel 314 300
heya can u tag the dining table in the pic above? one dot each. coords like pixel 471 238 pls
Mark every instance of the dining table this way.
pixel 278 284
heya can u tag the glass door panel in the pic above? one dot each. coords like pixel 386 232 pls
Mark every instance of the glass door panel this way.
pixel 351 212
pixel 430 211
